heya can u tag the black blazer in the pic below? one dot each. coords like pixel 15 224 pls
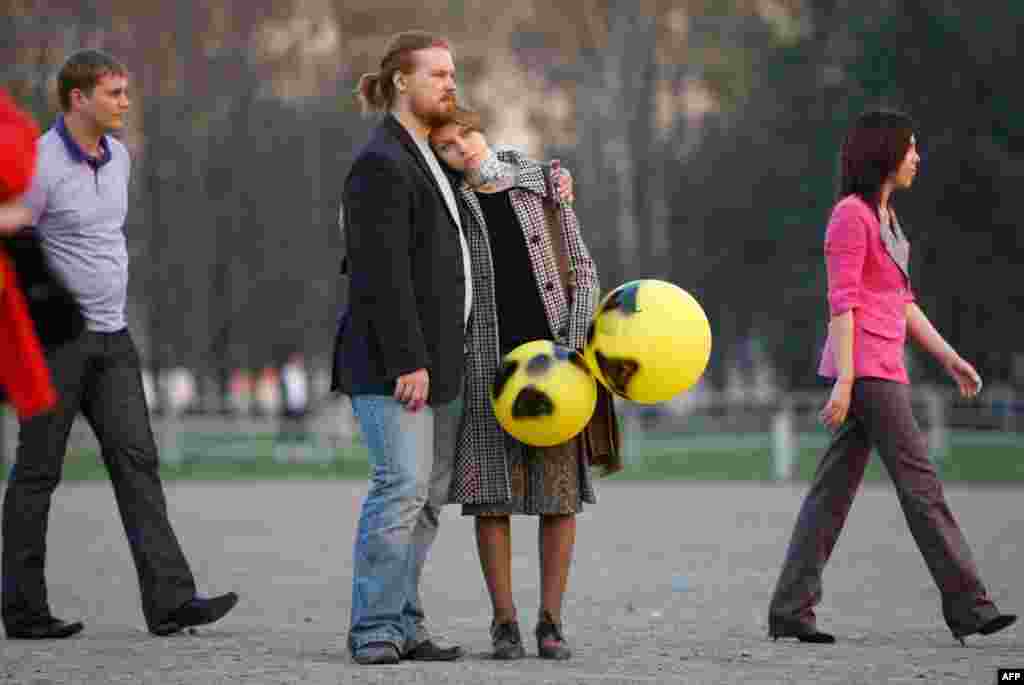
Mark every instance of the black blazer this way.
pixel 407 283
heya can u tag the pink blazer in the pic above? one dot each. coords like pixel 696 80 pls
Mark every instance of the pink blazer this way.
pixel 867 272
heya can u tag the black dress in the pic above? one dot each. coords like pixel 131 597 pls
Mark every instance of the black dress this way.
pixel 521 316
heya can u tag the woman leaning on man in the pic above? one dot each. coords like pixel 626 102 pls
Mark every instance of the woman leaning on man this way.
pixel 518 235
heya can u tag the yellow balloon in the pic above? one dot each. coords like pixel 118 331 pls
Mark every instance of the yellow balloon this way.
pixel 543 393
pixel 649 341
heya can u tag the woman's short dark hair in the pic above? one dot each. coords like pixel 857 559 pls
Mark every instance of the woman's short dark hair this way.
pixel 872 151
pixel 470 118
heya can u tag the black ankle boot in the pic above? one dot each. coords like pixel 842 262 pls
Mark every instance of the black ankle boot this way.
pixel 507 641
pixel 551 643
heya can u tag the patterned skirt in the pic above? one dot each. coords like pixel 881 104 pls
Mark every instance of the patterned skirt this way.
pixel 543 480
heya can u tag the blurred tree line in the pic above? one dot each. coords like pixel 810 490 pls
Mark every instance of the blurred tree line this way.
pixel 702 135
pixel 751 202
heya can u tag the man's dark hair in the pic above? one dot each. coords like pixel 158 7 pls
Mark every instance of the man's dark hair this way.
pixel 83 70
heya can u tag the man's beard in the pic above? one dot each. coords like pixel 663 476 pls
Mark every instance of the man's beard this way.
pixel 437 118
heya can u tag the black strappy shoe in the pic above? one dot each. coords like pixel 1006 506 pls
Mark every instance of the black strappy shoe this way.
pixel 779 627
pixel 993 625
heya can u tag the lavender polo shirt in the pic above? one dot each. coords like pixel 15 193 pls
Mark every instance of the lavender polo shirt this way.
pixel 79 205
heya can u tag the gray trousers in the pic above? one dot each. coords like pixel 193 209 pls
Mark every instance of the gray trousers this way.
pixel 880 417
pixel 97 374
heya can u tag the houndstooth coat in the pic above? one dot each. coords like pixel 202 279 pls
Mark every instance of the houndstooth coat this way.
pixel 481 462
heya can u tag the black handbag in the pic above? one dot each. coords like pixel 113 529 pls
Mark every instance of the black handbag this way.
pixel 54 310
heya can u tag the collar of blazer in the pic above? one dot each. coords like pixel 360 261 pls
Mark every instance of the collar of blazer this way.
pixel 896 244
pixel 893 240
pixel 395 127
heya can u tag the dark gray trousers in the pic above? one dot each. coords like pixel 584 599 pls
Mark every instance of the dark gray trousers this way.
pixel 880 417
pixel 99 375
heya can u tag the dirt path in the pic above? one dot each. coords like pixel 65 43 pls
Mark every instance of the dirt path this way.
pixel 670 585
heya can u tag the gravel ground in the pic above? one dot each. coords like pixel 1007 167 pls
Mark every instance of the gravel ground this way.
pixel 670 585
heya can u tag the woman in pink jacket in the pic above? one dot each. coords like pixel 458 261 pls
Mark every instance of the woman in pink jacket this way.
pixel 872 311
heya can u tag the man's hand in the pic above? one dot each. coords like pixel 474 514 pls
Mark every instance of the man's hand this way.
pixel 565 193
pixel 413 389
pixel 563 181
pixel 13 217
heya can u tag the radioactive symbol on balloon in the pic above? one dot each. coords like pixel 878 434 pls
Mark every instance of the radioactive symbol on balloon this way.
pixel 543 393
pixel 649 340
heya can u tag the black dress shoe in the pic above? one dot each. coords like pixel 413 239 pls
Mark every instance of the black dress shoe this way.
pixel 428 650
pixel 376 654
pixel 993 625
pixel 783 628
pixel 46 629
pixel 198 611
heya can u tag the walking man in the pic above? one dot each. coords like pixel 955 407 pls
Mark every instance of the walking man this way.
pixel 78 202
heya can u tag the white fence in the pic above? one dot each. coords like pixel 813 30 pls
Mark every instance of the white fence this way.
pixel 786 423
pixel 783 423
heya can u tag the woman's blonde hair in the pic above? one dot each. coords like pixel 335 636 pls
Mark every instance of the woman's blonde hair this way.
pixel 376 91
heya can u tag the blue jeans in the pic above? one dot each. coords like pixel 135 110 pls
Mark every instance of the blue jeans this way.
pixel 411 460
